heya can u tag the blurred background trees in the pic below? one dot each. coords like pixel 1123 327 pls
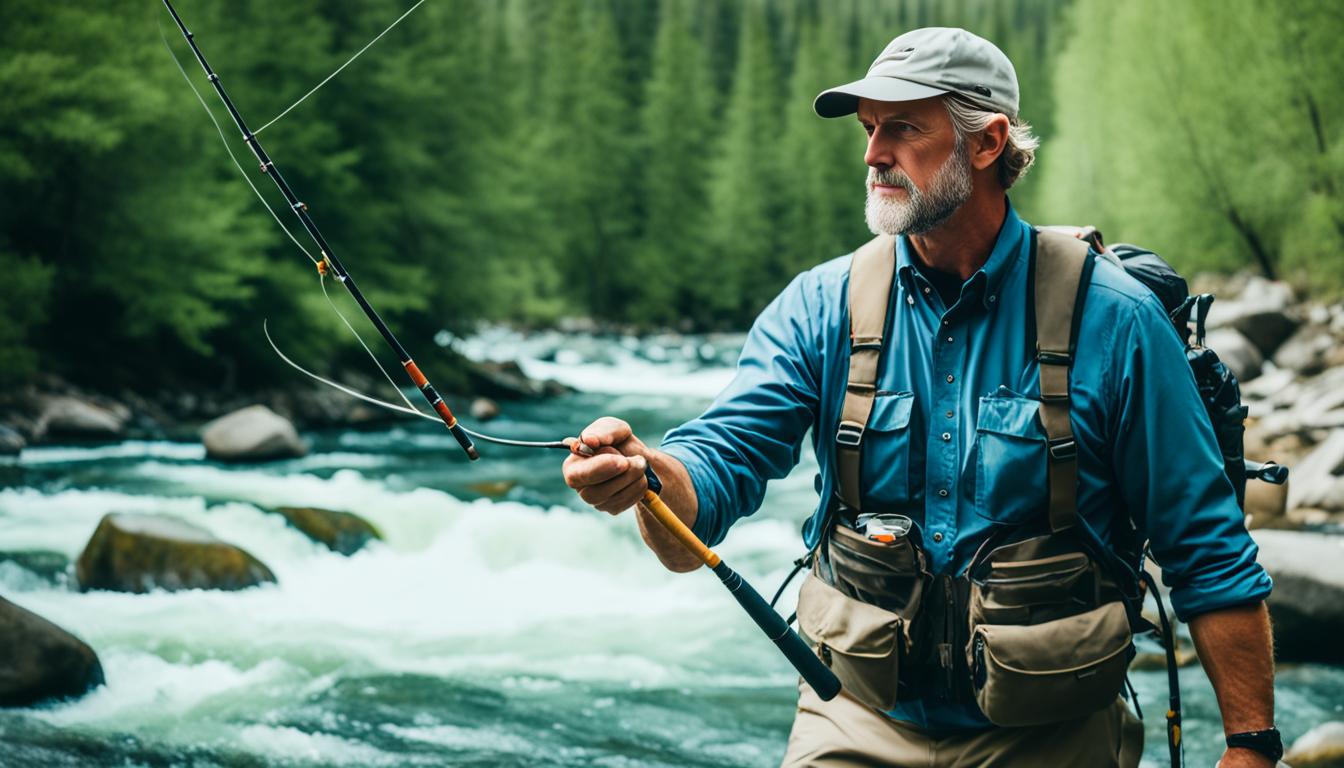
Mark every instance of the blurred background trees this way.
pixel 646 162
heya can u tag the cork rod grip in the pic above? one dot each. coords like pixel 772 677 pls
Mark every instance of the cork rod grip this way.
pixel 673 524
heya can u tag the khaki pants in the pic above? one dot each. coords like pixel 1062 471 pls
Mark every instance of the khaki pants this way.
pixel 842 733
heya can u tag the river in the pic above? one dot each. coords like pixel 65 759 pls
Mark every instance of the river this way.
pixel 501 623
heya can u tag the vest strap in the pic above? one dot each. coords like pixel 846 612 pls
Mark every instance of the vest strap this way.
pixel 871 273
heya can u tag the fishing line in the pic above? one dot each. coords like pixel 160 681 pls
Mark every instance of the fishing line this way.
pixel 227 148
pixel 409 408
pixel 412 410
pixel 358 53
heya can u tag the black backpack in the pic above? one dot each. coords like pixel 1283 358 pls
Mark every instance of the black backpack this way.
pixel 1218 386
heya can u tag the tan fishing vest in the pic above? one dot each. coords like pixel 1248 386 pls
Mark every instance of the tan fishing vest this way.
pixel 1034 631
pixel 1060 262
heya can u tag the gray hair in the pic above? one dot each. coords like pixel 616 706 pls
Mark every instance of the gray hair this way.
pixel 969 118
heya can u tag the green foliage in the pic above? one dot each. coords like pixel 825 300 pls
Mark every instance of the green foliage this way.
pixel 1219 146
pixel 637 162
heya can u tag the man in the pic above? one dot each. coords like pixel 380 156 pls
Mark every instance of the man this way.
pixel 945 142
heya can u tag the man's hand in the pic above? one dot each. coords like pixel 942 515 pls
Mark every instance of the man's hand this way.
pixel 612 477
pixel 606 466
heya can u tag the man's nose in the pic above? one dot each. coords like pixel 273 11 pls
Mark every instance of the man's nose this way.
pixel 879 153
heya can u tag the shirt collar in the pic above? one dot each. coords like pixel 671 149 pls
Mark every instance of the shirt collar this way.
pixel 1006 252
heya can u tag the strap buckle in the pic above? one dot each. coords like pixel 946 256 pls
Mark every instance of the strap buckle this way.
pixel 1063 448
pixel 849 434
pixel 1048 357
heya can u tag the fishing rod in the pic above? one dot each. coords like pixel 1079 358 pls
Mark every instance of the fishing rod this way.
pixel 790 644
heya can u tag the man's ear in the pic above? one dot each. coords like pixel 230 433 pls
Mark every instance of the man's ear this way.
pixel 990 143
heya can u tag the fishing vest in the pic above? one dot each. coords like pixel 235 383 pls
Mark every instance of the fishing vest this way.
pixel 1034 630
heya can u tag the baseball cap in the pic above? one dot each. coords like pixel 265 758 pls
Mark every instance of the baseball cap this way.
pixel 929 62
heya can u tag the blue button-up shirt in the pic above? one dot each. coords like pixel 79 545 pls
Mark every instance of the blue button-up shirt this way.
pixel 954 439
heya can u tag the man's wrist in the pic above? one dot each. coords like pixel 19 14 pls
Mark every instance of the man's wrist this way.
pixel 1266 743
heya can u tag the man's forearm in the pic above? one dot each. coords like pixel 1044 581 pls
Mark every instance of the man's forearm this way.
pixel 679 495
pixel 1237 651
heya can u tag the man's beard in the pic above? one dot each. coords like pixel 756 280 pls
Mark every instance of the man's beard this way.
pixel 920 211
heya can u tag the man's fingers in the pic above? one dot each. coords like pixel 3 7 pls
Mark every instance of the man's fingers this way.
pixel 607 430
pixel 584 473
pixel 624 497
pixel 600 493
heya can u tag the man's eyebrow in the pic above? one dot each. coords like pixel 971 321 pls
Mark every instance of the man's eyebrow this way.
pixel 894 118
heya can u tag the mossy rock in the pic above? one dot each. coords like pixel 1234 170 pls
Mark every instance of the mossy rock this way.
pixel 340 532
pixel 41 661
pixel 137 553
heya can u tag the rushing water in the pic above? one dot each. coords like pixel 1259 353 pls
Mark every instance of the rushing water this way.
pixel 501 623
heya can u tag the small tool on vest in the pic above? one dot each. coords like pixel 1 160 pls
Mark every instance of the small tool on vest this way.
pixel 884 528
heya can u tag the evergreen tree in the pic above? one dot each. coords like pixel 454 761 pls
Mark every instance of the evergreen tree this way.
pixel 676 125
pixel 743 266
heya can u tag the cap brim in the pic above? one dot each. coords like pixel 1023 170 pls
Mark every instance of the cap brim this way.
pixel 844 100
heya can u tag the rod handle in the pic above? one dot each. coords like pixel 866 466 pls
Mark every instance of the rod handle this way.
pixel 817 674
pixel 673 524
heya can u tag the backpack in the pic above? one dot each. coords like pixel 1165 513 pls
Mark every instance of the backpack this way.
pixel 1219 389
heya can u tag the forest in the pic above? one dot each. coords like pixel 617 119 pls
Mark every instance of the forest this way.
pixel 643 164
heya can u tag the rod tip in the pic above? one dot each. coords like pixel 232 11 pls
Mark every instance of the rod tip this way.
pixel 472 453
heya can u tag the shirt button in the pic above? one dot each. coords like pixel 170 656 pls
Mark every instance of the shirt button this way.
pixel 949 339
pixel 938 536
pixel 909 299
pixel 926 289
pixel 947 436
pixel 949 414
pixel 942 492
pixel 945 322
pixel 951 378
pixel 992 298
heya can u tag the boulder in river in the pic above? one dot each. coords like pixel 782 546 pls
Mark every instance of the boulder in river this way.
pixel 137 553
pixel 341 532
pixel 1317 480
pixel 41 661
pixel 1307 605
pixel 1321 747
pixel 11 442
pixel 1236 351
pixel 254 433
pixel 1264 312
pixel 1306 350
pixel 484 409
pixel 71 417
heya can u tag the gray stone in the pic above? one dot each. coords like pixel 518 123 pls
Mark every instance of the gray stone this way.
pixel 137 553
pixel 1236 351
pixel 1305 351
pixel 339 531
pixel 1264 313
pixel 41 661
pixel 1307 605
pixel 11 442
pixel 254 433
pixel 1318 479
pixel 484 409
pixel 69 417
pixel 1321 747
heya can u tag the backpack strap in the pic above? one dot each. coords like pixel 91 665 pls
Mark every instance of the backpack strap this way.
pixel 871 272
pixel 1062 271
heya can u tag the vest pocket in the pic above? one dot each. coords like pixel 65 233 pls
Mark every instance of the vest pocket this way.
pixel 861 643
pixel 1010 465
pixel 1047 673
pixel 886 451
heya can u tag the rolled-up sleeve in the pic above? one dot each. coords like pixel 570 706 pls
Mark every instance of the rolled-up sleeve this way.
pixel 753 431
pixel 1171 474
